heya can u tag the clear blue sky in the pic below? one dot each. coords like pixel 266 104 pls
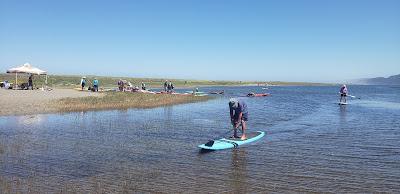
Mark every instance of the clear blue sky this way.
pixel 310 40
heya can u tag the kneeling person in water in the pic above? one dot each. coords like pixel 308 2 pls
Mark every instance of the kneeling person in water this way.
pixel 239 115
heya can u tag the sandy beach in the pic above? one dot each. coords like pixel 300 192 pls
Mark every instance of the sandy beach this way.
pixel 28 102
pixel 23 102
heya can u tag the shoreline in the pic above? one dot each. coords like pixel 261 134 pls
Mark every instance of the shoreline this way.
pixel 246 85
pixel 59 100
pixel 31 102
pixel 72 81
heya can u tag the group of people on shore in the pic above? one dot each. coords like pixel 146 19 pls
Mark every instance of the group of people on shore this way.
pixel 23 86
pixel 168 86
pixel 124 85
pixel 93 88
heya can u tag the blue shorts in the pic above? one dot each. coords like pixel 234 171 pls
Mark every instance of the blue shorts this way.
pixel 245 117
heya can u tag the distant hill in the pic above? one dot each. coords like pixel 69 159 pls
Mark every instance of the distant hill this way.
pixel 392 80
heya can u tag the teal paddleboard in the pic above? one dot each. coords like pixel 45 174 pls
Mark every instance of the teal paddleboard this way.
pixel 227 143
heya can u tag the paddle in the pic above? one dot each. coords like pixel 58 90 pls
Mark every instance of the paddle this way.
pixel 353 96
pixel 211 142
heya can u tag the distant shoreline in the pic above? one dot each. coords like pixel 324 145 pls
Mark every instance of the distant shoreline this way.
pixel 72 81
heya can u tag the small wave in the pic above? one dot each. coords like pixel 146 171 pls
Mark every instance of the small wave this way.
pixel 203 121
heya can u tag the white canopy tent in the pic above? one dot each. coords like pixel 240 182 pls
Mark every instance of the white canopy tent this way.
pixel 26 68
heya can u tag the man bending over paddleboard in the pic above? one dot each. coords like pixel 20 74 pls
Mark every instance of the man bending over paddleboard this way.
pixel 343 93
pixel 239 115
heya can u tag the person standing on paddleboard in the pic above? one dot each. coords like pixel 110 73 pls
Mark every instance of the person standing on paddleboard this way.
pixel 239 115
pixel 343 93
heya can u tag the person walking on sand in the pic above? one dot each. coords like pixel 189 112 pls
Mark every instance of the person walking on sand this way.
pixel 343 93
pixel 239 115
pixel 83 82
pixel 30 82
pixel 95 85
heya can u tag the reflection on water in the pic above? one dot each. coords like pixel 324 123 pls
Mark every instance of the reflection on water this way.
pixel 168 115
pixel 239 171
pixel 342 114
pixel 31 119
pixel 312 145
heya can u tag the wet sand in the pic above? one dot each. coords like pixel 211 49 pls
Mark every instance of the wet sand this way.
pixel 25 102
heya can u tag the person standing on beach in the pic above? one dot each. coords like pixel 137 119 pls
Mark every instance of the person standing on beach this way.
pixel 7 85
pixel 239 116
pixel 143 86
pixel 83 82
pixel 95 85
pixel 165 86
pixel 120 85
pixel 30 82
pixel 170 87
pixel 343 93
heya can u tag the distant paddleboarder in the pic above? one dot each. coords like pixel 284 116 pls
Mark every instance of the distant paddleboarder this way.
pixel 239 115
pixel 343 93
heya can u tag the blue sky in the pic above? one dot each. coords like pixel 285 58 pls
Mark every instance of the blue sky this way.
pixel 304 40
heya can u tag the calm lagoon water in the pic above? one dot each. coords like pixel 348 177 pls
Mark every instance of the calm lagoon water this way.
pixel 312 145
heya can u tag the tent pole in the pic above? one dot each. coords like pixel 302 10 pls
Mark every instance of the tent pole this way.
pixel 16 81
pixel 46 80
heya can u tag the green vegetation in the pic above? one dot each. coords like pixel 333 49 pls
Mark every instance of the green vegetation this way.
pixel 73 81
pixel 124 100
